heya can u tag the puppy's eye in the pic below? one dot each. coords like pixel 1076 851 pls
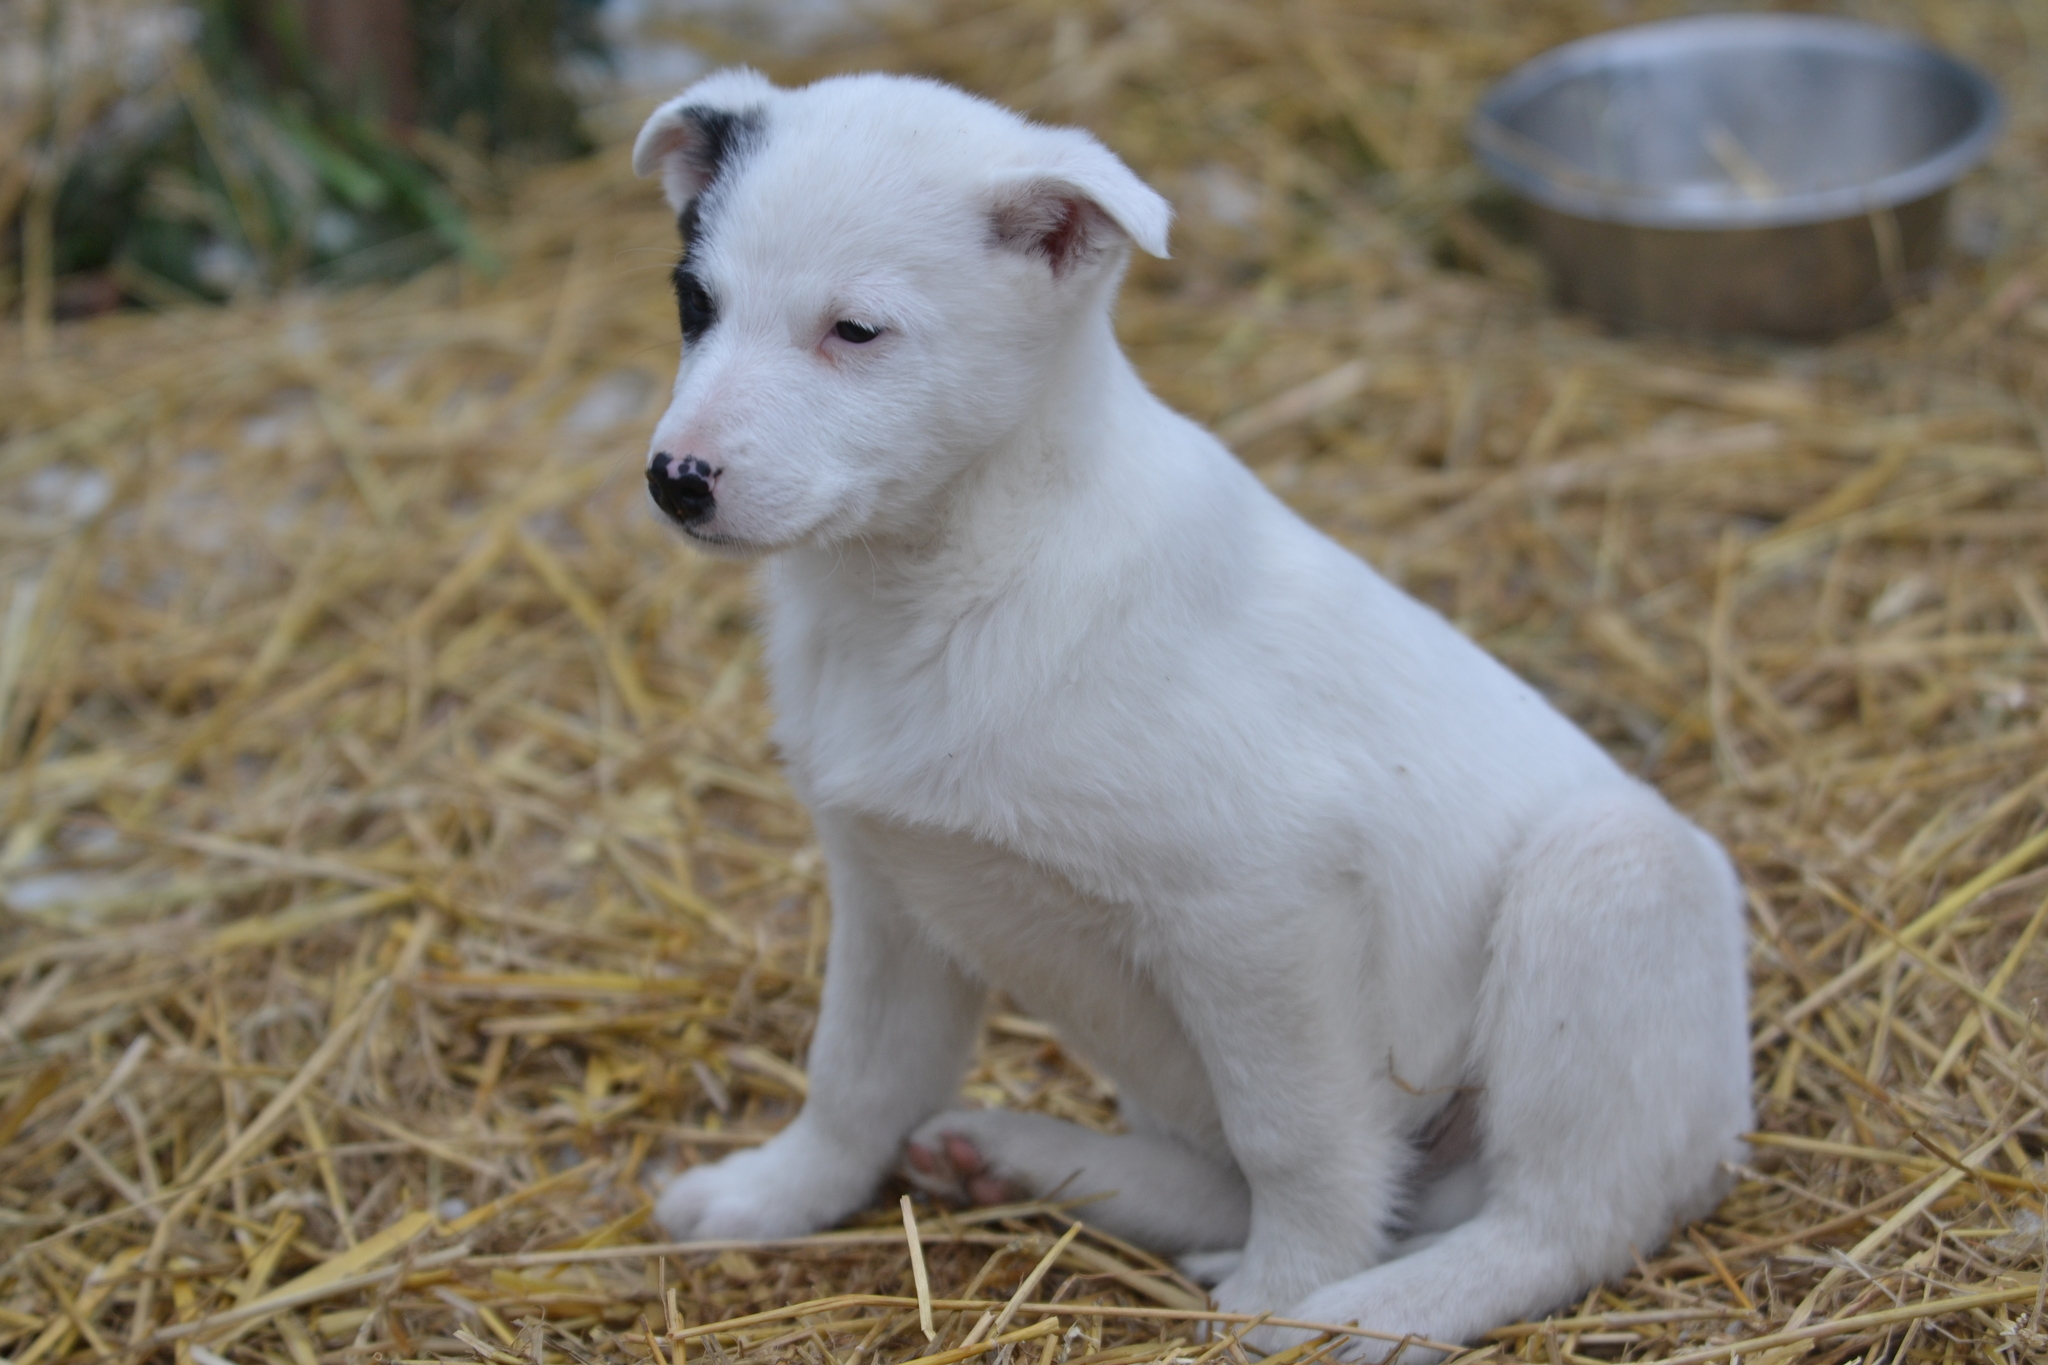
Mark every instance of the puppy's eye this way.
pixel 694 306
pixel 857 333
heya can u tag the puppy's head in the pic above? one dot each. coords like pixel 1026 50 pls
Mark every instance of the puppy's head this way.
pixel 880 276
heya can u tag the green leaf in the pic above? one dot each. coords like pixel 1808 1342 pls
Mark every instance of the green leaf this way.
pixel 356 183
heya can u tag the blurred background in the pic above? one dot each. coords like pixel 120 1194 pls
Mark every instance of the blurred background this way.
pixel 158 152
pixel 396 874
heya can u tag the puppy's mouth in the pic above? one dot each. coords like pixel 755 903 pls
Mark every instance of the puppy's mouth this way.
pixel 722 541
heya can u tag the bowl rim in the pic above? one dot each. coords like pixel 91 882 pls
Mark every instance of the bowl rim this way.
pixel 1520 161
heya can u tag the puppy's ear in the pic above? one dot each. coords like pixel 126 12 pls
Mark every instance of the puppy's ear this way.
pixel 1080 203
pixel 690 139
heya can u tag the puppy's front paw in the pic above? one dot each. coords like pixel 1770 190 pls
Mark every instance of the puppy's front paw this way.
pixel 1265 1284
pixel 1342 1304
pixel 1269 1340
pixel 781 1190
pixel 945 1157
pixel 1242 1292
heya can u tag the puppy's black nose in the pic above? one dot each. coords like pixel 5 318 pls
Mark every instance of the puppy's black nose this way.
pixel 681 487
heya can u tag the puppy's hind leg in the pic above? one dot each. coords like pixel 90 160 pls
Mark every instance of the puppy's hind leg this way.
pixel 1160 1193
pixel 1611 1048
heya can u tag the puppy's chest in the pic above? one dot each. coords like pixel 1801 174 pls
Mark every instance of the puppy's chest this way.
pixel 1090 968
pixel 1016 924
pixel 1001 749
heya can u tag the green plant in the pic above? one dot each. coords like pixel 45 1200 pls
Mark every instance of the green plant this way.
pixel 272 141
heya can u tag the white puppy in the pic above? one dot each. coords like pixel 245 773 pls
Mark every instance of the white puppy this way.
pixel 1084 713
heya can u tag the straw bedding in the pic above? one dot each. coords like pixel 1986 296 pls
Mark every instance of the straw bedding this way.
pixel 399 877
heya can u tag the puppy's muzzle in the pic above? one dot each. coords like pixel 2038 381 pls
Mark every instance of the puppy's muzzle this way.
pixel 681 487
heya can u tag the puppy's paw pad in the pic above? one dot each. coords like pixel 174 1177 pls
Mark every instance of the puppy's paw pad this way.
pixel 964 1155
pixel 949 1164
pixel 989 1189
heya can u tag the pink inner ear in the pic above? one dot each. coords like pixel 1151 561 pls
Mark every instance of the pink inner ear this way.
pixel 656 141
pixel 683 158
pixel 1063 228
pixel 1068 235
pixel 670 139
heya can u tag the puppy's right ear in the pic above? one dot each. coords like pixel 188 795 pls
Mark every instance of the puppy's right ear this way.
pixel 690 139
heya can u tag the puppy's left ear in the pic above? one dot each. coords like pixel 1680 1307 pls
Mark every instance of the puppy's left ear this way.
pixel 1081 203
pixel 691 138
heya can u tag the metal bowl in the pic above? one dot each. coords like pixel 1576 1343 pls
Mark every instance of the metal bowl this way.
pixel 1740 172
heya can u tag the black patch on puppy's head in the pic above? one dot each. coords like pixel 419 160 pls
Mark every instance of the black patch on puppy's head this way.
pixel 716 134
pixel 712 141
pixel 697 148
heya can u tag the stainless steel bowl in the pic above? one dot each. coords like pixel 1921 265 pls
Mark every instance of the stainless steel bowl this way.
pixel 1738 172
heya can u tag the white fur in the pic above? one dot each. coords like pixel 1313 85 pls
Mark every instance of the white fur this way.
pixel 1083 712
